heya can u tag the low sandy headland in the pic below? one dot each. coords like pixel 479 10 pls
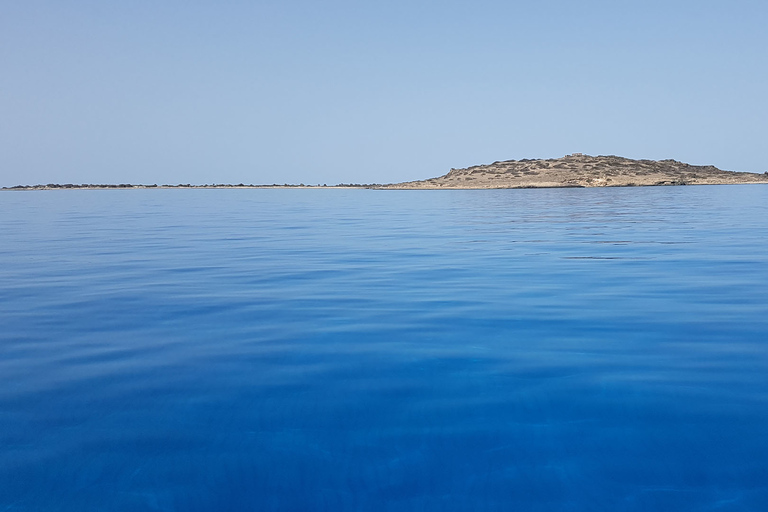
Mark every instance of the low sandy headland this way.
pixel 579 170
pixel 125 186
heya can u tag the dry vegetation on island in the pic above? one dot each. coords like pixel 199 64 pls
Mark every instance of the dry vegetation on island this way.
pixel 579 170
pixel 575 170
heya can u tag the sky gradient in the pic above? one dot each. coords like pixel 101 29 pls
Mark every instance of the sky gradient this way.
pixel 362 92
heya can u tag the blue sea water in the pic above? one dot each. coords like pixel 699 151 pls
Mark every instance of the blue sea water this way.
pixel 358 350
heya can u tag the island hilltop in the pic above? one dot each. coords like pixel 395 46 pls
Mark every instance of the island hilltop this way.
pixel 578 170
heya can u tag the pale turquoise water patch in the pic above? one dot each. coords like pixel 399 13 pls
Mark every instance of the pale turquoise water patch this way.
pixel 590 349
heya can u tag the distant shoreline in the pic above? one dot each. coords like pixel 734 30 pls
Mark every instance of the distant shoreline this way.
pixel 31 188
pixel 125 186
pixel 571 171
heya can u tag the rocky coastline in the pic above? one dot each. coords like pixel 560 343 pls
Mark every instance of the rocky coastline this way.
pixel 571 171
pixel 578 170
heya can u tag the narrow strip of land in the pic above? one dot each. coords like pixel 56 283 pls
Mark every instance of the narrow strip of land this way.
pixel 128 186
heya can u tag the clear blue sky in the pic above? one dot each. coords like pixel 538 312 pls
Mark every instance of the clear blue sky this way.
pixel 340 91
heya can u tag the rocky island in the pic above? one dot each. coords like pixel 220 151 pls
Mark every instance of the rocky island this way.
pixel 579 170
pixel 576 170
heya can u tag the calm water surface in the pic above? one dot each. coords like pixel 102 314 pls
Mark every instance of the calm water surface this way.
pixel 345 350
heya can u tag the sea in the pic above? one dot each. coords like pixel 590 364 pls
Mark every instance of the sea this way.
pixel 599 349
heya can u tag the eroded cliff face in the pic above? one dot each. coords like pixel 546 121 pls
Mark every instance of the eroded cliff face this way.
pixel 583 171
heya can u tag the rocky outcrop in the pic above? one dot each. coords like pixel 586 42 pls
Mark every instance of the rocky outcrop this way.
pixel 582 171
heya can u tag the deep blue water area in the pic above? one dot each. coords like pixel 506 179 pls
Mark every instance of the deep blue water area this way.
pixel 359 350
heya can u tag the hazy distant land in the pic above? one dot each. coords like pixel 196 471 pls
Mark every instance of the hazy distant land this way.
pixel 92 186
pixel 576 170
